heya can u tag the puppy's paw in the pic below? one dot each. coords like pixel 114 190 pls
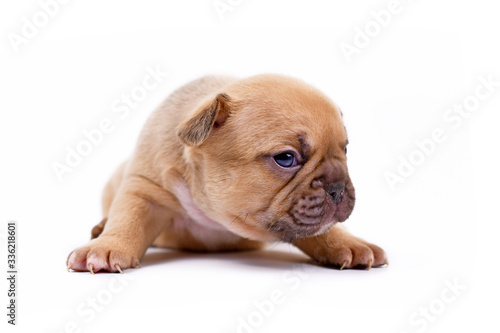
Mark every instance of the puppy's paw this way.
pixel 102 254
pixel 351 252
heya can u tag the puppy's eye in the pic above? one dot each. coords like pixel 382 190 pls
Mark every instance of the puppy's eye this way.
pixel 285 160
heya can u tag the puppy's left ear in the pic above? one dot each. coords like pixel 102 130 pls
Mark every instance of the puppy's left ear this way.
pixel 195 130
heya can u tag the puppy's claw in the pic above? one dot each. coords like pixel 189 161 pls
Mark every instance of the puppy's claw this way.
pixel 68 268
pixel 386 263
pixel 138 265
pixel 369 265
pixel 343 265
pixel 91 269
pixel 119 269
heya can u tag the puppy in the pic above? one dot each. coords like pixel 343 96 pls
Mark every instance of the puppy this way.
pixel 226 164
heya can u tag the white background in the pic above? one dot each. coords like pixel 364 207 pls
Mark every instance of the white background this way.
pixel 440 225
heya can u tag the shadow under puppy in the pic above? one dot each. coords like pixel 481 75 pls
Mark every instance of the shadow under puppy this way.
pixel 226 164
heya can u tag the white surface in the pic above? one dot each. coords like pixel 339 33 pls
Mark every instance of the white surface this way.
pixel 440 225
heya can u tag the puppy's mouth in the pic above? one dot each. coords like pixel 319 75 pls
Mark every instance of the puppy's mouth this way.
pixel 313 216
pixel 289 231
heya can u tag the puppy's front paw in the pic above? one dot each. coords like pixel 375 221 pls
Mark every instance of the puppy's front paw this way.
pixel 351 253
pixel 340 249
pixel 102 254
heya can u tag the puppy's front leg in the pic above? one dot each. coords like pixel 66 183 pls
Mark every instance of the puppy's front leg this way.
pixel 337 247
pixel 135 220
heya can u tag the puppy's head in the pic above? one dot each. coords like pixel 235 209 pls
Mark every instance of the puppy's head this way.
pixel 267 159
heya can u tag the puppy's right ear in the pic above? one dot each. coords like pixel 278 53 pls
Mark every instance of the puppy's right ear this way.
pixel 212 115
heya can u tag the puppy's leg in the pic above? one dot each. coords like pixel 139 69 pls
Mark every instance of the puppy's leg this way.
pixel 108 195
pixel 135 220
pixel 339 248
pixel 97 230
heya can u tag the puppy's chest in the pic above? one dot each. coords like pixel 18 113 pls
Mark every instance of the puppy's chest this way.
pixel 209 237
pixel 194 221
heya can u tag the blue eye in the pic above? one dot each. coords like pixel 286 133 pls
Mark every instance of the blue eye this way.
pixel 285 160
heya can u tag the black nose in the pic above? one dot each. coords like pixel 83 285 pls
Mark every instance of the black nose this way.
pixel 336 191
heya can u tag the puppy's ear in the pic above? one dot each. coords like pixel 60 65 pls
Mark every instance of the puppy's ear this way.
pixel 196 129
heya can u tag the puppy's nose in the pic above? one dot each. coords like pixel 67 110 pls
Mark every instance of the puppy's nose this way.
pixel 336 190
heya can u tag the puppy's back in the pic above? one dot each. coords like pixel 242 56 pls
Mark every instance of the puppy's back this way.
pixel 158 144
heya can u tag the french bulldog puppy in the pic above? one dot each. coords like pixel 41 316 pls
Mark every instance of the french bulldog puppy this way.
pixel 227 164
